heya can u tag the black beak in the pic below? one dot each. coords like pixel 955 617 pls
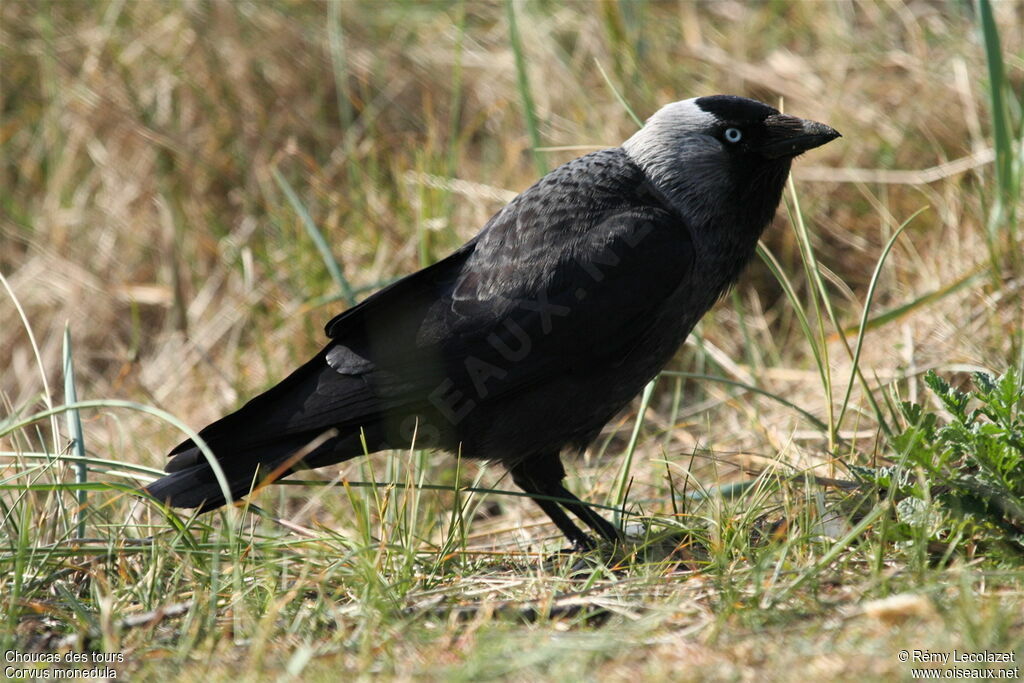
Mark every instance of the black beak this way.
pixel 789 136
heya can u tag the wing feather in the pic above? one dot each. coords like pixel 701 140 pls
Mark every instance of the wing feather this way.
pixel 571 273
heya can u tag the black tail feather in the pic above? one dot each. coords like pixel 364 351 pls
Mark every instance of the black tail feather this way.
pixel 261 436
pixel 195 485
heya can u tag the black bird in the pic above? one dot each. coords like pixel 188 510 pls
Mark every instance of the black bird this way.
pixel 535 333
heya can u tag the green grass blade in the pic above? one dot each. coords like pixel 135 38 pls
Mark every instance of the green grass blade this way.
pixel 623 477
pixel 333 267
pixel 819 298
pixel 523 83
pixel 859 346
pixel 419 486
pixel 455 118
pixel 751 388
pixel 37 355
pixel 618 95
pixel 801 316
pixel 894 314
pixel 97 463
pixel 833 552
pixel 1000 114
pixel 218 472
pixel 74 420
pixel 339 62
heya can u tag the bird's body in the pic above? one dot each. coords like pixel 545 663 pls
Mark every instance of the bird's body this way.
pixel 528 339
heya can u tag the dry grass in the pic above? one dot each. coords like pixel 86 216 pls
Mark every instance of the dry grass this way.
pixel 139 207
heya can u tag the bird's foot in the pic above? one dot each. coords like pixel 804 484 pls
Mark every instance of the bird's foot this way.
pixel 579 557
pixel 574 549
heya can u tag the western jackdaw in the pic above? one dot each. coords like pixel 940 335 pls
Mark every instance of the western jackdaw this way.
pixel 535 333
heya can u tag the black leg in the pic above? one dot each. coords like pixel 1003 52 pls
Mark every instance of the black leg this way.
pixel 577 537
pixel 586 514
pixel 543 476
pixel 529 484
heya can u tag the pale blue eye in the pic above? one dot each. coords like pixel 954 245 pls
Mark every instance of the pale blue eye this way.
pixel 733 134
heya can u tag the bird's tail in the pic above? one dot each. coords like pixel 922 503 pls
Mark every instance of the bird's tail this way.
pixel 310 419
pixel 197 486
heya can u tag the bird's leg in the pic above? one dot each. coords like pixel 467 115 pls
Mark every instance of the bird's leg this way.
pixel 580 541
pixel 586 514
pixel 544 476
pixel 576 536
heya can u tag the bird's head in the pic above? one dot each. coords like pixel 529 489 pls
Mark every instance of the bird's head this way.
pixel 715 155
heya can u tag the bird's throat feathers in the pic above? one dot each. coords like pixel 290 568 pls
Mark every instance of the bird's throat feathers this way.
pixel 724 197
pixel 719 203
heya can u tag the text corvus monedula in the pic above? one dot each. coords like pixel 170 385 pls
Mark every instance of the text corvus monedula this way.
pixel 532 335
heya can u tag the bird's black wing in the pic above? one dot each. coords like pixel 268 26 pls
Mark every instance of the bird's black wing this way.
pixel 400 301
pixel 313 397
pixel 570 274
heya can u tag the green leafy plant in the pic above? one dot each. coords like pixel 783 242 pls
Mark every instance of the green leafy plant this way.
pixel 964 478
